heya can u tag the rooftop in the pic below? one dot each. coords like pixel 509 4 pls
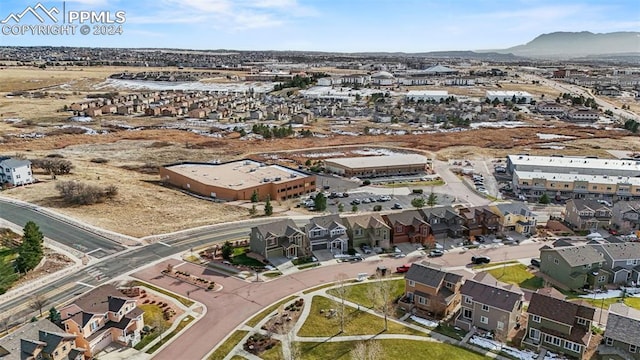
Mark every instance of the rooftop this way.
pixel 578 255
pixel 501 93
pixel 236 175
pixel 379 161
pixel 595 179
pixel 572 162
pixel 426 93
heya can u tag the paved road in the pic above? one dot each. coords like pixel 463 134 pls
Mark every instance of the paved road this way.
pixel 455 187
pixel 239 300
pixel 59 231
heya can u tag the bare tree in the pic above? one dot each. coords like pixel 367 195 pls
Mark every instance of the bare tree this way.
pixel 5 322
pixel 342 291
pixel 367 350
pixel 38 302
pixel 380 292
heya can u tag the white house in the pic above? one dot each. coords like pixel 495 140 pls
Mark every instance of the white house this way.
pixel 383 78
pixel 15 172
pixel 426 95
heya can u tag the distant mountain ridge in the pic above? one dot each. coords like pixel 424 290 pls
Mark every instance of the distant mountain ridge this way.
pixel 577 44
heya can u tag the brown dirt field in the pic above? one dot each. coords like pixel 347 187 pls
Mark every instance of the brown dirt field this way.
pixel 141 208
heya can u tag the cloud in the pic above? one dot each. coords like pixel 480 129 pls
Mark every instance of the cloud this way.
pixel 232 15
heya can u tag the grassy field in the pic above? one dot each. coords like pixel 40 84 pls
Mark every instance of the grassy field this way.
pixel 391 349
pixel 185 321
pixel 356 322
pixel 224 349
pixel 450 331
pixel 517 274
pixel 243 259
pixel 257 318
pixel 633 302
pixel 8 276
pixel 359 293
pixel 151 312
pixel 275 353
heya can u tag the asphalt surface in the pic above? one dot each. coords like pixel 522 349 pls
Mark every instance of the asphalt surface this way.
pixel 60 231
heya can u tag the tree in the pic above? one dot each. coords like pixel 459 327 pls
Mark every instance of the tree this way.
pixel 7 276
pixel 354 208
pixel 308 162
pixel 227 250
pixel 254 196
pixel 320 202
pixel 342 291
pixel 367 350
pixel 253 211
pixel 432 200
pixel 340 207
pixel 417 202
pixel 544 199
pixel 380 295
pixel 31 251
pixel 268 208
pixel 54 315
pixel 38 302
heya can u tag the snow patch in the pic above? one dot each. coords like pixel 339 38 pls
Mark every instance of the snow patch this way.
pixel 425 322
pixel 553 136
pixel 603 295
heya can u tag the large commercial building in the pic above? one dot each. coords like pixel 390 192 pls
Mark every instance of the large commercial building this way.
pixel 377 166
pixel 238 180
pixel 427 95
pixel 574 177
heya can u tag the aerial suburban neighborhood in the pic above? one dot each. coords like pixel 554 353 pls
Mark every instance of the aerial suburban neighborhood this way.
pixel 350 185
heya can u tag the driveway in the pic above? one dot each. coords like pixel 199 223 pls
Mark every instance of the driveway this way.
pixel 239 300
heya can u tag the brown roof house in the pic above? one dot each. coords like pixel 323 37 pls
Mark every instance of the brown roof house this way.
pixel 622 337
pixel 490 305
pixel 40 340
pixel 480 220
pixel 430 291
pixel 558 325
pixel 277 239
pixel 101 317
pixel 407 226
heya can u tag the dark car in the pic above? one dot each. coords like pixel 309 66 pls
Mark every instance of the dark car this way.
pixel 535 262
pixel 480 260
pixel 365 248
pixel 479 238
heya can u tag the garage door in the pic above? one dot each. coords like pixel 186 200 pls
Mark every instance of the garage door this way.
pixel 321 246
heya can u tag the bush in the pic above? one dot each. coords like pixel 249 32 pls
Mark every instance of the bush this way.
pixel 377 208
pixel 366 182
pixel 417 191
pixel 99 160
pixel 55 166
pixel 78 193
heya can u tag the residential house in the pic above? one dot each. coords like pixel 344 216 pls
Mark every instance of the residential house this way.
pixel 15 172
pixel 625 216
pixel 407 226
pixel 277 239
pixel 444 222
pixel 516 217
pixel 558 325
pixel 479 220
pixel 622 260
pixel 101 317
pixel 327 233
pixel 368 230
pixel 93 111
pixel 40 340
pixel 490 305
pixel 583 115
pixel 622 336
pixel 431 291
pixel 585 214
pixel 551 108
pixel 573 267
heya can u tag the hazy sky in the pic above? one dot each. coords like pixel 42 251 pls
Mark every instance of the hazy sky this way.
pixel 331 25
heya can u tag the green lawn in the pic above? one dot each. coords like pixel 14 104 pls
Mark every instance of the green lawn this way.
pixel 7 273
pixel 240 250
pixel 450 331
pixel 151 312
pixel 484 266
pixel 275 353
pixel 185 321
pixel 519 275
pixel 183 301
pixel 231 342
pixel 392 349
pixel 257 318
pixel 356 322
pixel 272 274
pixel 243 259
pixel 238 357
pixel 415 183
pixel 633 302
pixel 359 293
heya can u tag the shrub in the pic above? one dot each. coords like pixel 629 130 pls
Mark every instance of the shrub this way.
pixel 366 182
pixel 377 208
pixel 417 191
pixel 99 160
pixel 55 165
pixel 78 193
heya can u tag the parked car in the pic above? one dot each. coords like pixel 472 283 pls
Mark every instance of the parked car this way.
pixel 345 194
pixel 396 250
pixel 382 270
pixel 396 206
pixel 355 202
pixel 399 255
pixel 365 248
pixel 535 262
pixel 481 239
pixel 436 253
pixel 613 231
pixel 404 268
pixel 366 201
pixel 480 259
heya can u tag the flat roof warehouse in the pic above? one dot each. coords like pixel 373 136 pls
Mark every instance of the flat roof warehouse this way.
pixel 236 175
pixel 379 161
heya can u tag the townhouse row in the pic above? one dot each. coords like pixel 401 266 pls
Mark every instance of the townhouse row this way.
pixel 424 226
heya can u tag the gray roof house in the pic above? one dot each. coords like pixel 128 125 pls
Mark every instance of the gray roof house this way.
pixel 15 172
pixel 431 290
pixel 585 214
pixel 622 336
pixel 622 260
pixel 280 238
pixel 40 340
pixel 626 215
pixel 327 233
pixel 490 305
